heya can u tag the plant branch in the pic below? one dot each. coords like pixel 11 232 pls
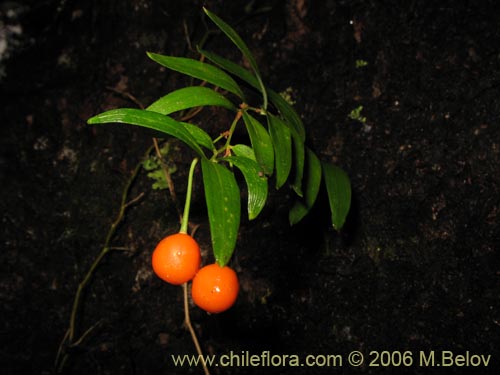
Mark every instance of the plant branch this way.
pixel 187 204
pixel 187 322
pixel 69 337
pixel 168 178
pixel 230 132
pixel 127 95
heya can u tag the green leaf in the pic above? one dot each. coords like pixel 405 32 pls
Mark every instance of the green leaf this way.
pixel 290 117
pixel 293 121
pixel 159 176
pixel 282 141
pixel 288 113
pixel 299 160
pixel 313 181
pixel 261 143
pixel 189 97
pixel 151 120
pixel 223 204
pixel 200 70
pixel 236 39
pixel 150 164
pixel 244 150
pixel 231 67
pixel 338 188
pixel 256 183
pixel 201 137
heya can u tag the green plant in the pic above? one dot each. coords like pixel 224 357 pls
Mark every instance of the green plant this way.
pixel 361 63
pixel 276 149
pixel 356 115
pixel 156 170
pixel 287 95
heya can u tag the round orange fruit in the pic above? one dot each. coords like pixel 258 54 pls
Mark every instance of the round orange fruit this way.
pixel 176 258
pixel 215 288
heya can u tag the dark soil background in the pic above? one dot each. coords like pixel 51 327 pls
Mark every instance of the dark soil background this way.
pixel 415 268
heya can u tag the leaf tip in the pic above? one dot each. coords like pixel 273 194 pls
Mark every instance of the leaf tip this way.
pixel 208 13
pixel 337 226
pixel 152 55
pixel 92 121
pixel 298 190
pixel 252 215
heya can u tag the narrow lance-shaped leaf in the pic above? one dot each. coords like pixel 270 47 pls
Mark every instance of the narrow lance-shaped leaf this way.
pixel 222 196
pixel 231 67
pixel 151 120
pixel 313 181
pixel 261 143
pixel 338 188
pixel 299 164
pixel 299 157
pixel 288 113
pixel 200 136
pixel 282 141
pixel 243 150
pixel 236 39
pixel 256 183
pixel 200 70
pixel 290 117
pixel 189 97
pixel 285 108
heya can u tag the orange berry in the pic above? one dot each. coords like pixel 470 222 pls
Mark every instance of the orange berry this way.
pixel 176 258
pixel 215 288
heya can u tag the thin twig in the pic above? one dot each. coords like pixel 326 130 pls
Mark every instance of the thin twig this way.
pixel 58 365
pixel 193 228
pixel 192 113
pixel 186 34
pixel 85 334
pixel 69 337
pixel 127 95
pixel 120 248
pixel 168 178
pixel 187 322
pixel 167 174
pixel 131 202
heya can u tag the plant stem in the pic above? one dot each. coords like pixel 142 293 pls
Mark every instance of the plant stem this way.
pixel 187 204
pixel 105 249
pixel 264 91
pixel 81 287
pixel 168 177
pixel 230 133
pixel 233 126
pixel 184 229
pixel 69 337
pixel 187 322
pixel 222 135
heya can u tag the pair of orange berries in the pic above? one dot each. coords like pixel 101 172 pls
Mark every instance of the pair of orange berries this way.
pixel 177 259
